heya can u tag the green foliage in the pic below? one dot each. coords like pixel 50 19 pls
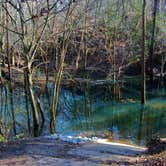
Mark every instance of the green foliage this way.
pixel 160 23
pixel 3 131
pixel 2 138
pixel 138 6
pixel 114 21
pixel 125 23
pixel 133 59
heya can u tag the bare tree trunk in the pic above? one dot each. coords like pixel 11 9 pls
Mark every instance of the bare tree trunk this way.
pixel 143 88
pixel 9 70
pixel 33 102
pixel 151 51
pixel 58 77
pixel 55 98
pixel 80 49
pixel 114 74
pixel 0 72
pixel 27 103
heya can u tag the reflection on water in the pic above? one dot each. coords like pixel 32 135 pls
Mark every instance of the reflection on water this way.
pixel 89 114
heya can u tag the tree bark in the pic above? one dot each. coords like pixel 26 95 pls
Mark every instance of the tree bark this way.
pixel 151 49
pixel 8 54
pixel 33 102
pixel 143 88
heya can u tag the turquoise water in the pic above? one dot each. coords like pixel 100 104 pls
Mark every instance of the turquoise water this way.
pixel 92 114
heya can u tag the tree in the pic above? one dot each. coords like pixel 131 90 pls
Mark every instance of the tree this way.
pixel 143 88
pixel 151 48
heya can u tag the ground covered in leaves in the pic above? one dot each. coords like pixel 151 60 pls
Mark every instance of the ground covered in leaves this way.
pixel 45 151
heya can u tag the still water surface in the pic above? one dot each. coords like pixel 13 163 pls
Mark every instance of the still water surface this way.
pixel 92 114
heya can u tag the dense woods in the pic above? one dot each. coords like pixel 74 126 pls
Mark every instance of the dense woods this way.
pixel 74 43
pixel 85 67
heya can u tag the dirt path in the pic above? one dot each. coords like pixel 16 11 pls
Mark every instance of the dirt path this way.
pixel 44 151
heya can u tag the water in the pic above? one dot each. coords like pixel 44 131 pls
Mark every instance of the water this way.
pixel 91 113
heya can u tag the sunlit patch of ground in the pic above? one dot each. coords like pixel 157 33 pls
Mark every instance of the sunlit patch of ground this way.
pixel 42 151
pixel 53 151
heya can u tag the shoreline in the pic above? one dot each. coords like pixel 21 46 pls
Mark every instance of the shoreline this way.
pixel 54 151
pixel 34 151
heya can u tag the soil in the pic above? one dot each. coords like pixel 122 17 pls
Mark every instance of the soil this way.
pixel 44 151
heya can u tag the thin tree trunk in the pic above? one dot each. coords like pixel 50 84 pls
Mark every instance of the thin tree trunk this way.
pixel 40 109
pixel 151 51
pixel 0 72
pixel 143 88
pixel 33 103
pixel 114 65
pixel 9 71
pixel 55 98
pixel 27 102
pixel 58 77
pixel 79 51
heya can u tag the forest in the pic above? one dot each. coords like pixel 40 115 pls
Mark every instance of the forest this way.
pixel 82 71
